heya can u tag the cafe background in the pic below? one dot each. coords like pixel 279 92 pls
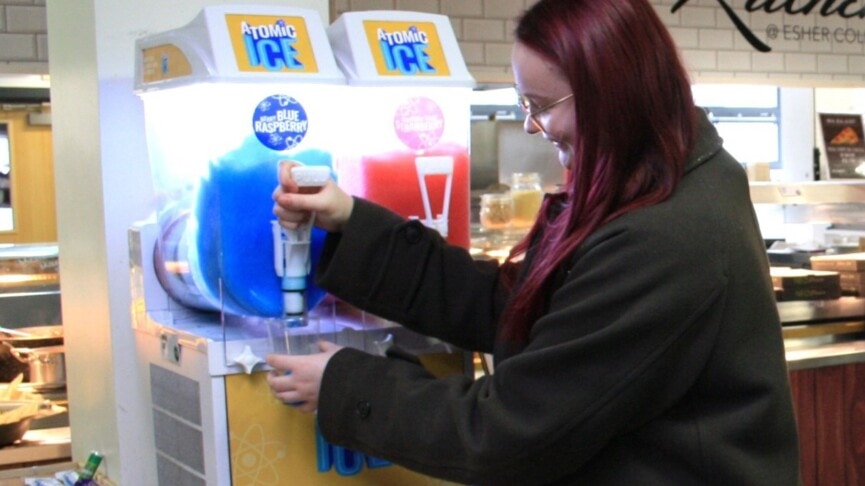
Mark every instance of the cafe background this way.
pixel 78 159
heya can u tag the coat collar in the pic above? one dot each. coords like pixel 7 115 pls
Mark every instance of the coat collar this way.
pixel 708 142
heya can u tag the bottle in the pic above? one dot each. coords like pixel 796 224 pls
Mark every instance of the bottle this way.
pixel 527 195
pixel 85 477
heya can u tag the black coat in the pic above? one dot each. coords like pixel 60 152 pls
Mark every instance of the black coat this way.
pixel 659 361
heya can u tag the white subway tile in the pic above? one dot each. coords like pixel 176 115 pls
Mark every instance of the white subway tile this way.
pixel 483 30
pixel 800 63
pixel 733 60
pixel 697 16
pixel 715 39
pixel 462 8
pixel 18 47
pixel 22 18
pixel 686 38
pixel 427 6
pixel 699 60
pixel 502 9
pixel 498 54
pixel 832 64
pixel 473 52
pixel 355 5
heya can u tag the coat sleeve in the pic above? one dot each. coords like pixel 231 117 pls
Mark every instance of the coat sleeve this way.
pixel 402 271
pixel 605 358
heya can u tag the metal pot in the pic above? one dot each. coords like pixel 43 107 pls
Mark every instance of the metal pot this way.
pixel 45 366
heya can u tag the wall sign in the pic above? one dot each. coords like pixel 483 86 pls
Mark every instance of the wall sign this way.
pixel 845 145
pixel 816 41
pixel 805 31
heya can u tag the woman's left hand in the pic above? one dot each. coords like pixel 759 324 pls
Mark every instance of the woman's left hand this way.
pixel 296 380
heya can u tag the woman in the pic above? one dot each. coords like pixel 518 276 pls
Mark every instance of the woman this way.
pixel 635 334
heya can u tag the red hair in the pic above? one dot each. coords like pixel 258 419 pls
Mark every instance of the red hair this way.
pixel 635 125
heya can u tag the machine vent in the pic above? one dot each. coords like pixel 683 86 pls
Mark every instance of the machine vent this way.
pixel 177 428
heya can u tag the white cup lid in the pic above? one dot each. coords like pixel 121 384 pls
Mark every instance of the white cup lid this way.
pixel 310 175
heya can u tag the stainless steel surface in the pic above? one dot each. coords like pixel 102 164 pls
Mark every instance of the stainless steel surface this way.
pixel 823 333
pixel 29 285
pixel 36 308
pixel 812 353
pixel 820 311
pixel 808 192
pixel 47 365
pixel 37 336
pixel 14 332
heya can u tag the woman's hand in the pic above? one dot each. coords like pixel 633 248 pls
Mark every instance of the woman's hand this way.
pixel 296 380
pixel 331 205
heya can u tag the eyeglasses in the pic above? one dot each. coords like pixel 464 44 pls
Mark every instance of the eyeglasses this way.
pixel 531 113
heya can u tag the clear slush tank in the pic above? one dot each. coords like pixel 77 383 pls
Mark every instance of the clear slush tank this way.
pixel 214 173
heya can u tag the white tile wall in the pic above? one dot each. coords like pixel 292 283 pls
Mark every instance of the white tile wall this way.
pixel 735 60
pixel 25 18
pixel 804 47
pixel 487 30
pixel 800 63
pixel 461 8
pixel 22 22
pixel 810 48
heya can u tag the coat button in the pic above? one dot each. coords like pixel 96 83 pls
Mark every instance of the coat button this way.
pixel 413 232
pixel 362 409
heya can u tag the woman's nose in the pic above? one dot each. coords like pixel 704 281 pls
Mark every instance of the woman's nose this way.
pixel 531 126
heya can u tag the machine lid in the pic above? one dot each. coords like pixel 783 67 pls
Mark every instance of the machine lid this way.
pixel 398 48
pixel 238 44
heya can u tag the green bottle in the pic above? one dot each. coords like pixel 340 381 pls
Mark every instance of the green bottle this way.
pixel 85 477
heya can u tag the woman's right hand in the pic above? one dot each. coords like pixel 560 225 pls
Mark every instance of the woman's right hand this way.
pixel 332 206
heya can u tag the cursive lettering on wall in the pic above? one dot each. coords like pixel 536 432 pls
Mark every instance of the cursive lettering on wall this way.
pixel 845 9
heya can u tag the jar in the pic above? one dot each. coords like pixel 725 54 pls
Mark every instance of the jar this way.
pixel 496 211
pixel 527 194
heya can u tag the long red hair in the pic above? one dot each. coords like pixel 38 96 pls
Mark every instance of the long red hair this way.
pixel 635 125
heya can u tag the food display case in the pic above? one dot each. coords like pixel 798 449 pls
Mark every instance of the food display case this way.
pixel 32 358
pixel 826 217
pixel 824 338
pixel 29 285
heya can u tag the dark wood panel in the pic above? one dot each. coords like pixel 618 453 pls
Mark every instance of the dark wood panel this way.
pixel 854 398
pixel 831 428
pixel 830 414
pixel 803 387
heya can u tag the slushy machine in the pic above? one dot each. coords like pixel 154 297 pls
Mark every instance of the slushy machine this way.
pixel 377 101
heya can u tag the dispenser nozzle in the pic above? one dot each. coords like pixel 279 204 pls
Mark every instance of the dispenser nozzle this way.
pixel 291 246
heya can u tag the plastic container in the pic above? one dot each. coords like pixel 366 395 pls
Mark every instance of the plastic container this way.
pixel 527 195
pixel 497 211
